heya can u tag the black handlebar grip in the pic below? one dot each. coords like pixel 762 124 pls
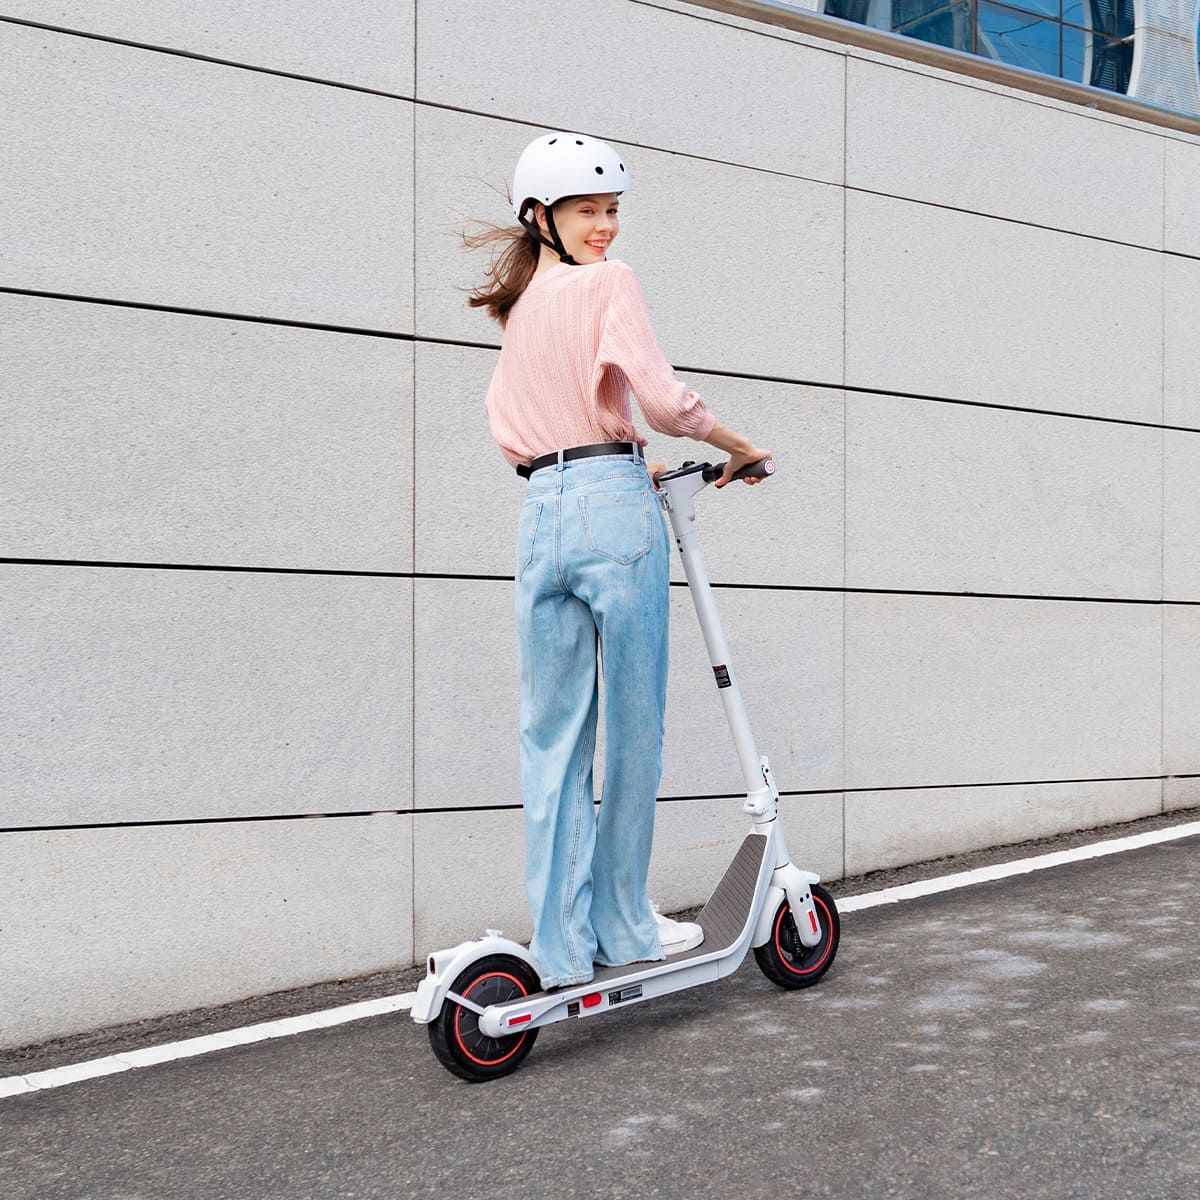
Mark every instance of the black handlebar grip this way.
pixel 763 469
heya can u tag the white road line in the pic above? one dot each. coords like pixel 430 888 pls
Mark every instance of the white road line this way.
pixel 947 883
pixel 129 1060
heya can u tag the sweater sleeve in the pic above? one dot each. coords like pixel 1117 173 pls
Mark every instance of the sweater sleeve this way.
pixel 627 342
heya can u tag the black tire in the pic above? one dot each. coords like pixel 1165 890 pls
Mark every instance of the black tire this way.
pixel 455 1036
pixel 785 959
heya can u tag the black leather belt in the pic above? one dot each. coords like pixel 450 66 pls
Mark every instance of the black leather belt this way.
pixel 574 452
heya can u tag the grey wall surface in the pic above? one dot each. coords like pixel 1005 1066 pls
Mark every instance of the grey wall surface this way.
pixel 260 690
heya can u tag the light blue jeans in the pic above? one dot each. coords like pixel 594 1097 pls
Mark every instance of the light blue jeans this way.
pixel 592 575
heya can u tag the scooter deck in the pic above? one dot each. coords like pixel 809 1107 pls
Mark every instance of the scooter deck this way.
pixel 723 918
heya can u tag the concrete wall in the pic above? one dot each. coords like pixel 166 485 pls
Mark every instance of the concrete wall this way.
pixel 260 687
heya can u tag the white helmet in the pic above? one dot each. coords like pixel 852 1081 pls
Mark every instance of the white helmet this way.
pixel 557 165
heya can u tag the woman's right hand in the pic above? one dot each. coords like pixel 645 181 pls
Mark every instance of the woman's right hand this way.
pixel 741 452
pixel 738 461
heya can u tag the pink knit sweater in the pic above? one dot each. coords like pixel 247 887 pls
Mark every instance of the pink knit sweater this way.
pixel 577 341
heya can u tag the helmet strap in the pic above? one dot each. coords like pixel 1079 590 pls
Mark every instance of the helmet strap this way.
pixel 554 242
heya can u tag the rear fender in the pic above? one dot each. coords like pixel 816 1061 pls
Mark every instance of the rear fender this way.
pixel 445 966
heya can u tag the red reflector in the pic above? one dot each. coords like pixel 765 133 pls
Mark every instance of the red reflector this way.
pixel 812 917
pixel 521 1019
pixel 592 1000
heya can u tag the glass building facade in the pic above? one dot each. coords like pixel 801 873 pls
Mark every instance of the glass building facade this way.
pixel 1086 41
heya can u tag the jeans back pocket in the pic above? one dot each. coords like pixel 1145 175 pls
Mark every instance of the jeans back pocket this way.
pixel 618 524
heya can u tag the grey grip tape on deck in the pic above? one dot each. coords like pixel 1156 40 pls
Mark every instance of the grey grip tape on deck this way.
pixel 724 916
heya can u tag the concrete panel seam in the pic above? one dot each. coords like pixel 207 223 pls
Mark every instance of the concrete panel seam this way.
pixel 845 246
pixel 1162 640
pixel 689 155
pixel 416 52
pixel 845 416
pixel 989 216
pixel 932 399
pixel 466 577
pixel 412 612
pixel 1041 412
pixel 1162 585
pixel 205 58
pixel 679 368
pixel 218 314
pixel 1162 379
pixel 800 793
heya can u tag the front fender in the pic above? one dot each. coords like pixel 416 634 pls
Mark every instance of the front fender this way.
pixel 445 966
pixel 789 882
pixel 766 917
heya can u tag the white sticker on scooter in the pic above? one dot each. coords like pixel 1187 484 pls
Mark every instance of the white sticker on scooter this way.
pixel 632 992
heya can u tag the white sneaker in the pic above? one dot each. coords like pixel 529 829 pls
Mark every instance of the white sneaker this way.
pixel 677 936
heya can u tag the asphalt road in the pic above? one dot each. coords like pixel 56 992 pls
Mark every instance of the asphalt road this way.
pixel 1035 1037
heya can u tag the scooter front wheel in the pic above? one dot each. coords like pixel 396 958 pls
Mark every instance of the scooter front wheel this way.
pixel 455 1035
pixel 785 959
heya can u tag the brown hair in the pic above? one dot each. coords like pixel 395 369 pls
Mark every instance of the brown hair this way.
pixel 511 269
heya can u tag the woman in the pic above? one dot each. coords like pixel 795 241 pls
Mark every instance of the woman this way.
pixel 592 554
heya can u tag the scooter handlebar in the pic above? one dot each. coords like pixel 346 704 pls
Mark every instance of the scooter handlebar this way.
pixel 763 469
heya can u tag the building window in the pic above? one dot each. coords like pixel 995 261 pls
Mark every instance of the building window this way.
pixel 1086 41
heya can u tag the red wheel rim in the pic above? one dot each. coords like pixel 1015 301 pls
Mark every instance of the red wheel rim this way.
pixel 828 932
pixel 460 1012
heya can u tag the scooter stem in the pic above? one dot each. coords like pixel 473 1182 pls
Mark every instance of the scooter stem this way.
pixel 678 494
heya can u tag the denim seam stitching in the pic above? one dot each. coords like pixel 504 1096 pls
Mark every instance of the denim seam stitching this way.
pixel 559 576
pixel 568 891
pixel 537 520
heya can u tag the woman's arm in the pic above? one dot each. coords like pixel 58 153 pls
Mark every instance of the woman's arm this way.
pixel 628 342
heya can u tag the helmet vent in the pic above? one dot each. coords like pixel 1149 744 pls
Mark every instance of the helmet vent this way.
pixel 599 170
pixel 551 141
pixel 578 142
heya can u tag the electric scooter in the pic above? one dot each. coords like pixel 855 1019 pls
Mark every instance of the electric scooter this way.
pixel 482 1000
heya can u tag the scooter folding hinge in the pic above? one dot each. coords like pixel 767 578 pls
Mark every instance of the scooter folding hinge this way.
pixel 761 800
pixel 758 802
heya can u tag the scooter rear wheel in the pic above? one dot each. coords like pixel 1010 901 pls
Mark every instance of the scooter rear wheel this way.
pixel 455 1036
pixel 785 959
